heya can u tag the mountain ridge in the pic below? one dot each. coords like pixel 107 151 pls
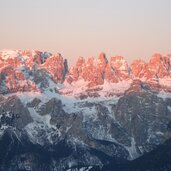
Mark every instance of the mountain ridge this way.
pixel 21 70
pixel 95 114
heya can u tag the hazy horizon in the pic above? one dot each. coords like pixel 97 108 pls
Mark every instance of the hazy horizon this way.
pixel 130 28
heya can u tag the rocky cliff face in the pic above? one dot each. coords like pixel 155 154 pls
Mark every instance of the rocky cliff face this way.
pixel 29 70
pixel 157 159
pixel 24 70
pixel 98 112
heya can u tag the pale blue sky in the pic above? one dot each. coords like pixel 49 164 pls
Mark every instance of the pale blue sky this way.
pixel 131 28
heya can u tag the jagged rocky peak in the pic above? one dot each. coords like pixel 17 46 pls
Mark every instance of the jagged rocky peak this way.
pixel 13 80
pixel 80 62
pixel 102 58
pixel 155 70
pixel 57 67
pixel 91 70
pixel 118 62
pixel 102 62
pixel 117 69
pixel 158 58
pixel 76 71
pixel 29 70
pixel 95 71
pixel 159 65
pixel 138 68
pixel 18 58
pixel 38 58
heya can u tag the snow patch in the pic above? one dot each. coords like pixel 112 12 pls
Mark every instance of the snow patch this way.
pixel 40 123
pixel 115 88
pixel 165 82
pixel 106 90
pixel 7 54
pixel 81 169
pixel 132 150
pixel 169 108
pixel 159 133
pixel 164 94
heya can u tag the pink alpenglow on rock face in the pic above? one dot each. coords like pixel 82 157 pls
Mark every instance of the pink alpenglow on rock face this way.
pixel 138 68
pixel 157 68
pixel 28 70
pixel 57 67
pixel 118 69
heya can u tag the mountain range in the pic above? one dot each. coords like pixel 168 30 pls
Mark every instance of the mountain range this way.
pixel 97 115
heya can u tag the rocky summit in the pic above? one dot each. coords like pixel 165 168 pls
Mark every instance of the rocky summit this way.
pixel 101 114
